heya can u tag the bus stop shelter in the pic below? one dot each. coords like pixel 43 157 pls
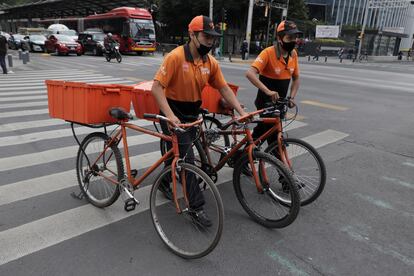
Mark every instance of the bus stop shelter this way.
pixel 12 17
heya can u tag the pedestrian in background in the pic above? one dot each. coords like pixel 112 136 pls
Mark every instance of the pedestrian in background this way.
pixel 317 51
pixel 243 49
pixel 3 53
pixel 340 53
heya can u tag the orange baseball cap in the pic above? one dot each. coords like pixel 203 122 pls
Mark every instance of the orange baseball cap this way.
pixel 287 27
pixel 203 24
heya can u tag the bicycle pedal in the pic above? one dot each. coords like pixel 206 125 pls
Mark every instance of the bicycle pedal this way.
pixel 130 205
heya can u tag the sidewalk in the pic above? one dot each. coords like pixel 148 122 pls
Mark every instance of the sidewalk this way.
pixel 328 60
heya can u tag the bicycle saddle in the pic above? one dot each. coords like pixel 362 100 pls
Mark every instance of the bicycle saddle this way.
pixel 120 114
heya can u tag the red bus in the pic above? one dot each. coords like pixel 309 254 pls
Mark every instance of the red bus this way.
pixel 132 27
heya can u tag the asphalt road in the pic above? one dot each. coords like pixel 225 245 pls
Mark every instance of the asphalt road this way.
pixel 358 115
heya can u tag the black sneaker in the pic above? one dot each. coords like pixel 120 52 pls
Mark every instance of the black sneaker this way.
pixel 201 218
pixel 165 188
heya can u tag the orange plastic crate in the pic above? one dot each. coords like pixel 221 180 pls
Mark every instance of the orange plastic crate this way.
pixel 211 99
pixel 143 100
pixel 86 103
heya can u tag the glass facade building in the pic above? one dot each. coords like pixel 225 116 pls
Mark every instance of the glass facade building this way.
pixel 390 22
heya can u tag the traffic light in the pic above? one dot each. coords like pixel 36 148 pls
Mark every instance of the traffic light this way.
pixel 223 15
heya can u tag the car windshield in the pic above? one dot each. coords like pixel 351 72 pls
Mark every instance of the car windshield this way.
pixel 142 28
pixel 18 36
pixel 99 37
pixel 64 38
pixel 70 32
pixel 37 37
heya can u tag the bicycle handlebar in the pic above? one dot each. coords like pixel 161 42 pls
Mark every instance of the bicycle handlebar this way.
pixel 177 127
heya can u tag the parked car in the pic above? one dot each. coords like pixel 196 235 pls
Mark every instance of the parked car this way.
pixel 6 35
pixel 62 44
pixel 36 42
pixel 17 41
pixel 92 42
pixel 71 33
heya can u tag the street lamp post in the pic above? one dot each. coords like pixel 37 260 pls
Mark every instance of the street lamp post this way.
pixel 211 9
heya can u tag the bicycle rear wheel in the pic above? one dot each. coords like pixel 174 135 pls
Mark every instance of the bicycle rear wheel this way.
pixel 99 191
pixel 278 204
pixel 184 233
pixel 308 168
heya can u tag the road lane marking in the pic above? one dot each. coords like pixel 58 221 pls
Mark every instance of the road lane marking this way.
pixel 54 155
pixel 135 79
pixel 11 114
pixel 31 237
pixel 37 158
pixel 383 204
pixel 19 105
pixel 52 134
pixel 46 184
pixel 39 86
pixel 286 263
pixel 399 182
pixel 325 137
pixel 408 164
pixel 380 248
pixel 325 105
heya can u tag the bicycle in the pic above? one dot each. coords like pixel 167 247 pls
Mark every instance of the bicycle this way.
pixel 302 159
pixel 101 177
pixel 267 200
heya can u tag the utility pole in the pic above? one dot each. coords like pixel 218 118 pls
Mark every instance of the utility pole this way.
pixel 268 13
pixel 269 4
pixel 211 10
pixel 361 39
pixel 249 26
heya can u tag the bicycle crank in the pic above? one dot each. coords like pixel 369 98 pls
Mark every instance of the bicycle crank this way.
pixel 128 190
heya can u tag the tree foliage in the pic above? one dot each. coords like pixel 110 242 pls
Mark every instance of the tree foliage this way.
pixel 298 10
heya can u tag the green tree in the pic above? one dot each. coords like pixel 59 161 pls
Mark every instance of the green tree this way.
pixel 297 10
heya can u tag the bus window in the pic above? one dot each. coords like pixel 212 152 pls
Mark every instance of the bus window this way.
pixel 142 29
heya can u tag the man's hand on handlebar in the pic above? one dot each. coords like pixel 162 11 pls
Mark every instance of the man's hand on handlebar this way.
pixel 274 95
pixel 291 103
pixel 173 120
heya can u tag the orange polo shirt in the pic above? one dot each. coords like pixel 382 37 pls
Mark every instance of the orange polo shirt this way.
pixel 183 78
pixel 275 72
pixel 272 65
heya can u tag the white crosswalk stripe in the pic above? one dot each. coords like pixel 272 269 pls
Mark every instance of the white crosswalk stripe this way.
pixel 38 234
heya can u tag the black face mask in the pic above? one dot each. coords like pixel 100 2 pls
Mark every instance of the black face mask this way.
pixel 288 46
pixel 203 49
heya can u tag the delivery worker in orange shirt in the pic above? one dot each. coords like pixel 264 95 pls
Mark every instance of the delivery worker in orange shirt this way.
pixel 177 89
pixel 276 66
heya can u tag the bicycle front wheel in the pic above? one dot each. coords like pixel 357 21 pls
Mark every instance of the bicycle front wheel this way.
pixel 276 203
pixel 195 230
pixel 97 170
pixel 308 168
